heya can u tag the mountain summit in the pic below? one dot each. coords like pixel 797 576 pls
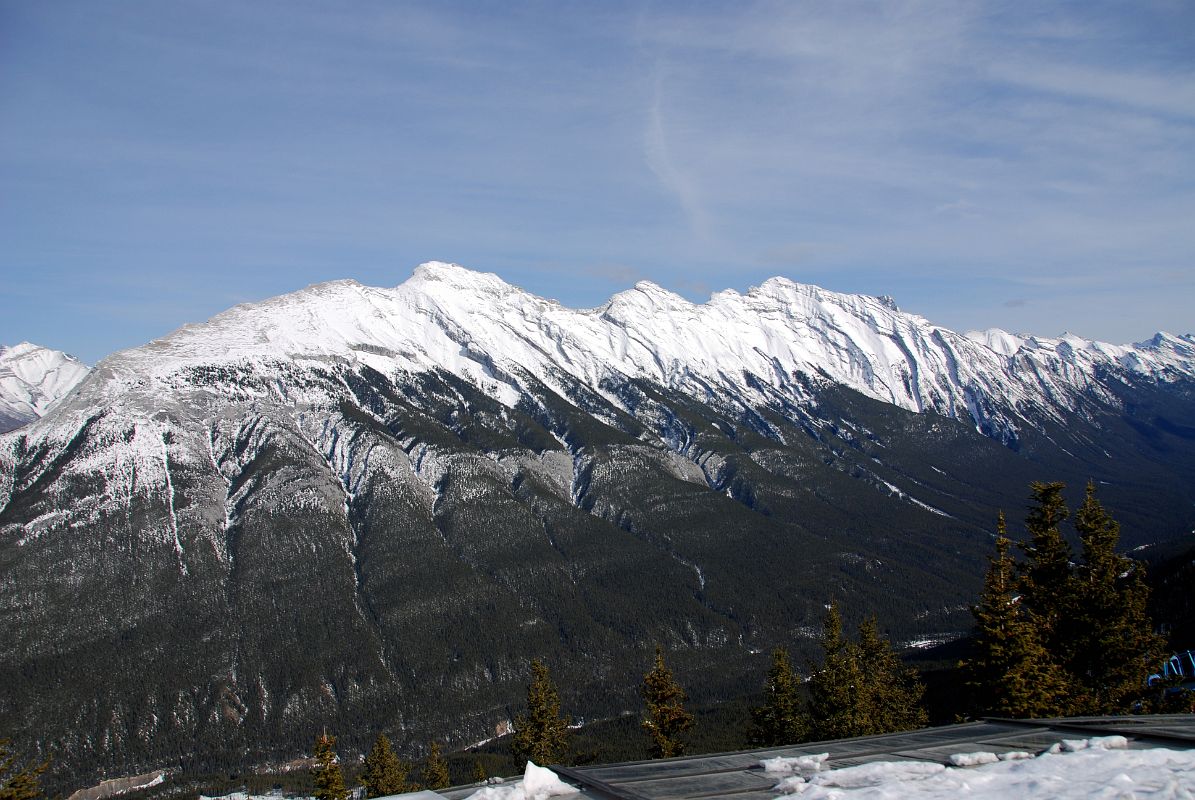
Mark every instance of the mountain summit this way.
pixel 369 508
pixel 32 381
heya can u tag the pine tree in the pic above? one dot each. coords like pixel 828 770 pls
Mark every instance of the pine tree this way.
pixel 667 720
pixel 781 719
pixel 1046 579
pixel 1009 672
pixel 542 734
pixel 479 775
pixel 18 784
pixel 890 694
pixel 435 769
pixel 1110 642
pixel 834 708
pixel 329 781
pixel 862 688
pixel 384 773
pixel 1080 640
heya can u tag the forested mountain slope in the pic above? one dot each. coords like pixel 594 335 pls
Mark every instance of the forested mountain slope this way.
pixel 370 508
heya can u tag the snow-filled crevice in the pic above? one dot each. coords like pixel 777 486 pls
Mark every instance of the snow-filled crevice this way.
pixel 170 513
pixel 913 374
pixel 581 480
pixel 7 476
pixel 361 598
pixel 953 375
pixel 221 542
pixel 693 566
pixel 900 494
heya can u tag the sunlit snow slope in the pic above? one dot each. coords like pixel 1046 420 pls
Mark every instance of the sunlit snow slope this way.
pixel 32 381
pixel 754 348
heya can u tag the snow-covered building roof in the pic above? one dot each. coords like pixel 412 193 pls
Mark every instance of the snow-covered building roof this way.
pixel 1056 758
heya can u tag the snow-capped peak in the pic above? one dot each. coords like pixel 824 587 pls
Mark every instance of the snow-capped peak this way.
pixel 32 381
pixel 439 276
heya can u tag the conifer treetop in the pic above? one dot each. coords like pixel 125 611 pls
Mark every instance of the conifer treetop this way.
pixel 328 779
pixel 19 783
pixel 542 733
pixel 435 769
pixel 385 774
pixel 666 720
pixel 781 719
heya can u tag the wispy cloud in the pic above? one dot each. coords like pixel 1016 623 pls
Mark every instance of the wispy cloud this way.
pixel 1166 93
pixel 658 153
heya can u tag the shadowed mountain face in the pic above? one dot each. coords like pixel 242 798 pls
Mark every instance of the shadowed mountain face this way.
pixel 286 519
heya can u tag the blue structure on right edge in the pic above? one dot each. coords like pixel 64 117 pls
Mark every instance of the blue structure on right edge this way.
pixel 1179 669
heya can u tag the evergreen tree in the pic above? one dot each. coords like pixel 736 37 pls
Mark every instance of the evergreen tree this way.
pixel 541 735
pixel 1046 580
pixel 18 784
pixel 435 769
pixel 1110 642
pixel 479 775
pixel 834 707
pixel 781 719
pixel 384 773
pixel 890 694
pixel 1009 672
pixel 329 781
pixel 862 688
pixel 667 720
pixel 1080 639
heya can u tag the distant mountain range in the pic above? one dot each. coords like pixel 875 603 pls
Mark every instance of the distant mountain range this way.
pixel 369 508
pixel 32 381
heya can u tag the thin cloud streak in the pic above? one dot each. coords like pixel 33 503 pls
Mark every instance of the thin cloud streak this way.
pixel 658 155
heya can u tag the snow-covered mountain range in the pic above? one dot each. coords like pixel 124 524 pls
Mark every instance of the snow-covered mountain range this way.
pixel 745 348
pixel 363 504
pixel 32 381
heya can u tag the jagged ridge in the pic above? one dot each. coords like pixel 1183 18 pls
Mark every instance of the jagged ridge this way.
pixel 751 346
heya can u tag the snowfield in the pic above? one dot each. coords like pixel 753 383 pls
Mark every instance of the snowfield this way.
pixel 1077 769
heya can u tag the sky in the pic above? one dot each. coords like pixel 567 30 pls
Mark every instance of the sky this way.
pixel 1029 166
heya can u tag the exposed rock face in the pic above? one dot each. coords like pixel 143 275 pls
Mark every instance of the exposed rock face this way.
pixel 370 508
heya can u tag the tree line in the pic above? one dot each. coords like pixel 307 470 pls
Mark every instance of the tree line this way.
pixel 861 688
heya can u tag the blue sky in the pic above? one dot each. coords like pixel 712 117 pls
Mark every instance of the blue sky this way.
pixel 1023 165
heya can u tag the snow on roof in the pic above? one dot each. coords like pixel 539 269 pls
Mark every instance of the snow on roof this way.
pixel 1139 756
